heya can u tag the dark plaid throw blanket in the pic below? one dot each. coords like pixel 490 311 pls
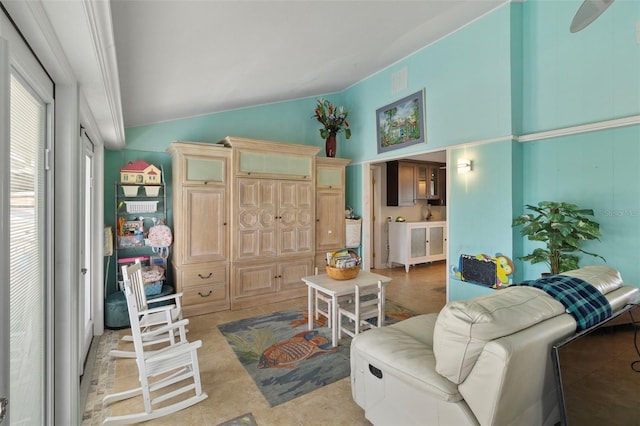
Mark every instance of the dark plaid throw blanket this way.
pixel 582 300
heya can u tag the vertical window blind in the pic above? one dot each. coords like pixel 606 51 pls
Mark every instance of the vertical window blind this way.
pixel 27 254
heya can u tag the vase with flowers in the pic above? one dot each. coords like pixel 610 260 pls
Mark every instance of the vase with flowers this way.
pixel 334 121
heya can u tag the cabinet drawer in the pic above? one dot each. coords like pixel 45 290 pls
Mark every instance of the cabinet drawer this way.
pixel 204 294
pixel 202 275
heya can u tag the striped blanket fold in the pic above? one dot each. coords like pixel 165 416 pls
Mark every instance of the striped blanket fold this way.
pixel 582 300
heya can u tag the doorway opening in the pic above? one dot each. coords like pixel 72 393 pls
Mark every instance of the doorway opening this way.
pixel 418 207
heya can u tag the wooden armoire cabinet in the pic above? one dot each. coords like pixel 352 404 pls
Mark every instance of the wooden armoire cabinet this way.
pixel 251 218
pixel 272 220
pixel 200 174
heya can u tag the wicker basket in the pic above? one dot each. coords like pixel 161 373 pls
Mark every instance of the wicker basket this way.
pixel 344 273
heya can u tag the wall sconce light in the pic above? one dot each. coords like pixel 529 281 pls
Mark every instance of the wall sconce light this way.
pixel 464 166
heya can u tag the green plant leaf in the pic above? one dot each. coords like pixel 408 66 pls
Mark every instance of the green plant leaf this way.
pixel 562 227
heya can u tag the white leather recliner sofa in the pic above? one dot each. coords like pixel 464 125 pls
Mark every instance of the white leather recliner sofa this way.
pixel 483 361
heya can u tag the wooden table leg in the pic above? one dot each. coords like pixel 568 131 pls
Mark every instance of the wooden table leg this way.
pixel 382 300
pixel 335 330
pixel 310 307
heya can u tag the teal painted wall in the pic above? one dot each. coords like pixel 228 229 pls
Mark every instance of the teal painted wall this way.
pixel 598 171
pixel 353 195
pixel 576 79
pixel 285 121
pixel 466 78
pixel 515 71
pixel 588 76
pixel 480 201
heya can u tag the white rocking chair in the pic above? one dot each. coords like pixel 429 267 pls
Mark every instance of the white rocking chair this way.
pixel 367 303
pixel 176 364
pixel 150 318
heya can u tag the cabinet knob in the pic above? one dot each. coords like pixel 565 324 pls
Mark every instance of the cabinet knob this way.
pixel 205 295
pixel 203 277
pixel 224 223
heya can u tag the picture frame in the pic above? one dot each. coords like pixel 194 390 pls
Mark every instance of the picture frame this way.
pixel 401 123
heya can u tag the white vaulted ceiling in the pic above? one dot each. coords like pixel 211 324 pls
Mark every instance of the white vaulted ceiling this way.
pixel 169 59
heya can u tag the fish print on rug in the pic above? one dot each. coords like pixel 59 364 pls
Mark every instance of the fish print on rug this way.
pixel 287 354
pixel 286 360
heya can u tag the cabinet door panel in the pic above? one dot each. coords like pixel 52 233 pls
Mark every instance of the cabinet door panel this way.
pixel 204 170
pixel 422 172
pixel 330 227
pixel 290 274
pixel 255 280
pixel 436 240
pixel 288 240
pixel 295 213
pixel 248 240
pixel 276 164
pixel 434 185
pixel 268 242
pixel 205 227
pixel 288 195
pixel 418 242
pixel 305 195
pixel 330 177
pixel 255 233
pixel 248 193
pixel 406 186
pixel 305 239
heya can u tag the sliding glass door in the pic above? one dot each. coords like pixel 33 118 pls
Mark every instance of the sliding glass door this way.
pixel 26 347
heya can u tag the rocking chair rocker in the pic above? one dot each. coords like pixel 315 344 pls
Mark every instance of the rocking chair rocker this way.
pixel 150 318
pixel 174 365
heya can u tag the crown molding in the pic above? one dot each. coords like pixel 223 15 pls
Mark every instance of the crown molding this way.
pixel 98 15
pixel 584 128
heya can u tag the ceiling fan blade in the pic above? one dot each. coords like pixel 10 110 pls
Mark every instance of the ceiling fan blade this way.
pixel 587 13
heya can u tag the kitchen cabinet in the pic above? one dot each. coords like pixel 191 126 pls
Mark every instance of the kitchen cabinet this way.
pixel 401 183
pixel 410 181
pixel 411 243
pixel 428 185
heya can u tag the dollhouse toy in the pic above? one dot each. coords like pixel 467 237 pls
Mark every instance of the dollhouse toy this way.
pixel 140 172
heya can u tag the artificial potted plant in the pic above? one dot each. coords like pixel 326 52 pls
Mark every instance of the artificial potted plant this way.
pixel 333 120
pixel 563 227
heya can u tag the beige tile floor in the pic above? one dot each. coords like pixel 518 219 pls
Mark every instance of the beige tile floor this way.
pixel 232 392
pixel 601 363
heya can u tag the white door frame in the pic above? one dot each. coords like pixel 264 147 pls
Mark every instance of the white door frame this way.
pixel 87 246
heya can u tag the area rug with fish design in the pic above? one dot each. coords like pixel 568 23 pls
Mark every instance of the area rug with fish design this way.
pixel 284 359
